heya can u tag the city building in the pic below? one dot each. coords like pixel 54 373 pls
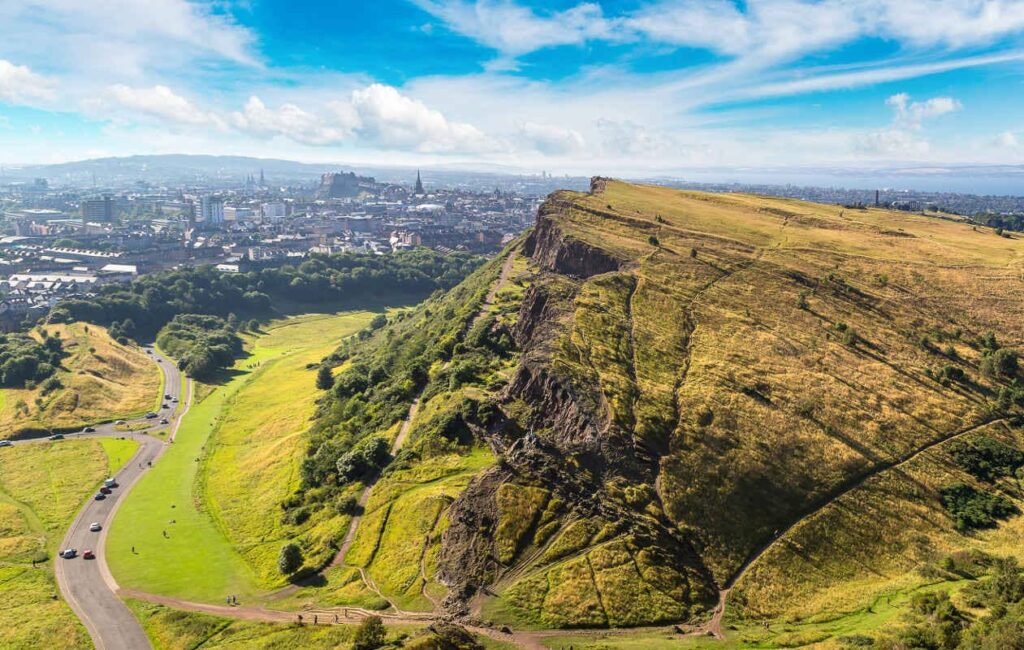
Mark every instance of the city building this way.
pixel 103 209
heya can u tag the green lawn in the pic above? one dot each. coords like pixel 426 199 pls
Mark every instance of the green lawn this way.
pixel 239 443
pixel 119 451
pixel 42 487
pixel 253 460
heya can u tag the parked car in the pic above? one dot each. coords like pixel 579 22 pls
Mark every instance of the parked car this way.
pixel 110 483
pixel 56 436
pixel 68 553
pixel 164 421
pixel 95 527
pixel 164 406
pixel 120 422
pixel 168 396
pixel 100 496
pixel 88 430
pixel 105 490
pixel 150 415
pixel 5 443
pixel 174 400
pixel 88 555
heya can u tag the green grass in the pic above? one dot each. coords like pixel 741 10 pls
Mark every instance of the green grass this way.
pixel 258 444
pixel 119 451
pixel 102 381
pixel 42 487
pixel 222 480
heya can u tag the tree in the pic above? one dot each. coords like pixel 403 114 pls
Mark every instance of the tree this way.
pixel 379 321
pixel 653 241
pixel 290 558
pixel 370 635
pixel 324 378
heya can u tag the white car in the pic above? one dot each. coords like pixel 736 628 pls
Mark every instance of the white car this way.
pixel 95 527
pixel 68 553
pixel 5 443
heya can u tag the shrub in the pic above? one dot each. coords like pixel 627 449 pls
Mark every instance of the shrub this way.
pixel 370 635
pixel 1001 362
pixel 324 378
pixel 290 559
pixel 653 241
pixel 986 458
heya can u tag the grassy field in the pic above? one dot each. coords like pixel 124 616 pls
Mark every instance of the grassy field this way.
pixel 253 462
pixel 218 488
pixel 42 486
pixel 102 380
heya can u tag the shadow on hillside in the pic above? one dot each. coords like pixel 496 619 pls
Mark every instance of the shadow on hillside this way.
pixel 284 307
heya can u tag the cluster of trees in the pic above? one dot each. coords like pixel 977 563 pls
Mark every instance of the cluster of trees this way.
pixel 986 458
pixel 936 623
pixel 428 350
pixel 201 344
pixel 142 307
pixel 23 360
pixel 973 509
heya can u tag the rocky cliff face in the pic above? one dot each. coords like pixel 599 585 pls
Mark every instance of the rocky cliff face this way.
pixel 556 433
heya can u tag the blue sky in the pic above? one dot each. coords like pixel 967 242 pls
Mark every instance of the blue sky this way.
pixel 619 87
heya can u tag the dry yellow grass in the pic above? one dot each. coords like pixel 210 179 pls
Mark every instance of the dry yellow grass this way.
pixel 102 380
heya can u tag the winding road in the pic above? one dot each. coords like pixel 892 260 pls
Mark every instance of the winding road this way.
pixel 87 585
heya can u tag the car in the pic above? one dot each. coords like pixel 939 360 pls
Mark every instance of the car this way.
pixel 95 527
pixel 164 406
pixel 105 490
pixel 5 443
pixel 159 360
pixel 88 555
pixel 99 496
pixel 150 415
pixel 164 421
pixel 174 400
pixel 168 396
pixel 120 422
pixel 68 553
pixel 88 430
pixel 149 352
pixel 56 436
pixel 110 483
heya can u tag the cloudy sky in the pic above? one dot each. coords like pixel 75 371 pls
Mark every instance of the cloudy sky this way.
pixel 624 86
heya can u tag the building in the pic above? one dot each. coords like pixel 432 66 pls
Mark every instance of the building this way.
pixel 419 191
pixel 233 213
pixel 211 210
pixel 342 185
pixel 276 210
pixel 101 209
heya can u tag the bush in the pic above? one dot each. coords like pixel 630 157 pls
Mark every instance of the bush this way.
pixel 973 509
pixel 290 559
pixel 324 378
pixel 1000 363
pixel 986 458
pixel 370 635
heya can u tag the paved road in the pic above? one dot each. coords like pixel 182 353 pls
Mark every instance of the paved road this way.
pixel 87 584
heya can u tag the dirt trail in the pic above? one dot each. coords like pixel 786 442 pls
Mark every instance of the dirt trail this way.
pixel 714 625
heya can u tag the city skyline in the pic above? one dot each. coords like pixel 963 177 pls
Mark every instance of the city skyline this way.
pixel 633 88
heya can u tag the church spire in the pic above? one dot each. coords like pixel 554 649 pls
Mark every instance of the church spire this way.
pixel 419 184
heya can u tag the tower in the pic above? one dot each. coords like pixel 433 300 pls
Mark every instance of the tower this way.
pixel 419 184
pixel 263 179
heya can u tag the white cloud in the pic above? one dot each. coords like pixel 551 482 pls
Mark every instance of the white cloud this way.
pixel 122 38
pixel 391 119
pixel 910 115
pixel 160 101
pixel 292 122
pixel 1007 140
pixel 552 140
pixel 19 85
pixel 761 31
pixel 514 30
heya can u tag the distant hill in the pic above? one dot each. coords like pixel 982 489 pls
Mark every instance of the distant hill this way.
pixel 185 168
pixel 689 397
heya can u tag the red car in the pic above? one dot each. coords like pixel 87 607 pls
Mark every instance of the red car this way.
pixel 105 490
pixel 88 555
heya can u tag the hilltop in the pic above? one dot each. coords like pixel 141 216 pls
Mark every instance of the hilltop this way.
pixel 661 398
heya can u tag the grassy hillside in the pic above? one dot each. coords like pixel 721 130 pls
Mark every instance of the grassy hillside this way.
pixel 688 392
pixel 41 488
pixel 99 378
